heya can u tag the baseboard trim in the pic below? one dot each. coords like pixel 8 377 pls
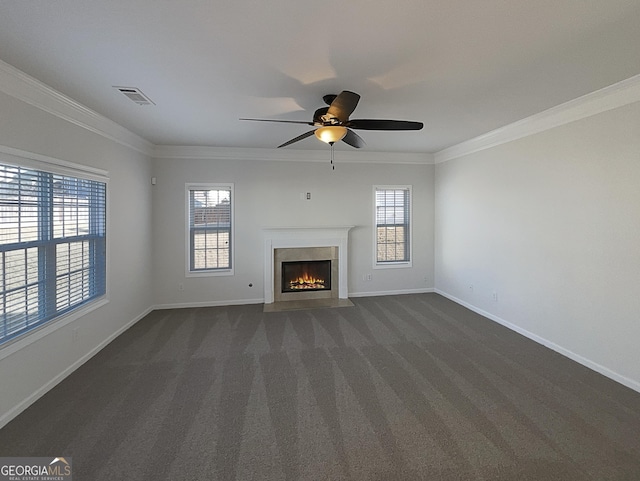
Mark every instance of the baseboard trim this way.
pixel 241 302
pixel 187 305
pixel 6 417
pixel 605 371
pixel 400 292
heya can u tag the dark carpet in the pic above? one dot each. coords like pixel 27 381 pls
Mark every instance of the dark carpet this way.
pixel 394 388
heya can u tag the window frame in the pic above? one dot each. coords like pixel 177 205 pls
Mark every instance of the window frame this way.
pixel 222 271
pixel 49 165
pixel 400 263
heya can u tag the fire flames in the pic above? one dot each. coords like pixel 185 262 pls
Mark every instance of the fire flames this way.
pixel 306 282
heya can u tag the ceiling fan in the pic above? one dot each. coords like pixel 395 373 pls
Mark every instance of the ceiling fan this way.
pixel 332 123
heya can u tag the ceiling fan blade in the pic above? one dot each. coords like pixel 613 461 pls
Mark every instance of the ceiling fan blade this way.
pixel 380 124
pixel 299 137
pixel 353 139
pixel 343 105
pixel 281 121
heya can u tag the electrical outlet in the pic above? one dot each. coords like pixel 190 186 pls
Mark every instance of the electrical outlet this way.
pixel 181 286
pixel 75 334
pixel 368 277
pixel 495 296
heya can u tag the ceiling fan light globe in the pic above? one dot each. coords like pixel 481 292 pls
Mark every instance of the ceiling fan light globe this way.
pixel 331 133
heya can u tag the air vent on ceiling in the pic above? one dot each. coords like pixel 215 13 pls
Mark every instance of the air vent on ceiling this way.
pixel 136 95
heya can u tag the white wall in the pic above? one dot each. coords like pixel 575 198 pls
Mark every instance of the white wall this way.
pixel 548 222
pixel 267 194
pixel 551 223
pixel 30 371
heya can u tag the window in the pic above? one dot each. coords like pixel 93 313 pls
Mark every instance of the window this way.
pixel 392 220
pixel 52 246
pixel 210 228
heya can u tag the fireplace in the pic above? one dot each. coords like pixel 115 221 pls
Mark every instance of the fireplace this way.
pixel 302 273
pixel 313 246
pixel 305 276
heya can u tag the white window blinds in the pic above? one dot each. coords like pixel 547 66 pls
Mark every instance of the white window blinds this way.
pixel 52 246
pixel 210 228
pixel 392 217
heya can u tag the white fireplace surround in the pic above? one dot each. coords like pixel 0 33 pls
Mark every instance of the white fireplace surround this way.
pixel 287 237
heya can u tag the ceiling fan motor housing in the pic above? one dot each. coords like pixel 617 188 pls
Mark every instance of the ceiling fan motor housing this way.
pixel 319 114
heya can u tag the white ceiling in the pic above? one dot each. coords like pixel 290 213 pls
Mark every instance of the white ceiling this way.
pixel 463 67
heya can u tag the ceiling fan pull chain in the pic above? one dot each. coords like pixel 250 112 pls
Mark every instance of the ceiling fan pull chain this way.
pixel 333 167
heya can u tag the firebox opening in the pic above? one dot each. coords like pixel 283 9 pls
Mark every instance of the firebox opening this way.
pixel 305 276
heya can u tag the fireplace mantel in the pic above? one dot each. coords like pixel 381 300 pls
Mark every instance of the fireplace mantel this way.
pixel 326 236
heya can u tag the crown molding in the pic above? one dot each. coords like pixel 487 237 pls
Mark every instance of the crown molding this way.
pixel 288 155
pixel 23 87
pixel 9 154
pixel 608 98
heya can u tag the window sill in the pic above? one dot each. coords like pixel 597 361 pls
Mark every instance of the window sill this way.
pixel 220 273
pixel 24 340
pixel 393 265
